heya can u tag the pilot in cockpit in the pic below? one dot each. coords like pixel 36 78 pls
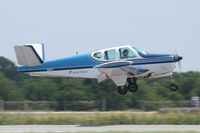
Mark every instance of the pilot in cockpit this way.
pixel 125 54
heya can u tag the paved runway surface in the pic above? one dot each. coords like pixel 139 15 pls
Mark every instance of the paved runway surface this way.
pixel 78 128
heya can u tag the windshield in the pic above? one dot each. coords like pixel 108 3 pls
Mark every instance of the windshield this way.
pixel 140 51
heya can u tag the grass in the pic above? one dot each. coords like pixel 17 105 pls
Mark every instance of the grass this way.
pixel 109 118
pixel 120 132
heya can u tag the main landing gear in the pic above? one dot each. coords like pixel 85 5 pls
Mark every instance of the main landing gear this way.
pixel 132 86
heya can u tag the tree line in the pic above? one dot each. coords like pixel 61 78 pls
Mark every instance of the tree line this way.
pixel 16 86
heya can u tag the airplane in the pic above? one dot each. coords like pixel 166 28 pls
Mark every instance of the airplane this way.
pixel 123 65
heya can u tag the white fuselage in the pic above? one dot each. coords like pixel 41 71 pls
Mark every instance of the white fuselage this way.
pixel 156 70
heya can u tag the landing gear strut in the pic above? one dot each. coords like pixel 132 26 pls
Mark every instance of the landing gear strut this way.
pixel 173 86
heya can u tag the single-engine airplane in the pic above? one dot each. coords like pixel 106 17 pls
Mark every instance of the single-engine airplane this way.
pixel 123 64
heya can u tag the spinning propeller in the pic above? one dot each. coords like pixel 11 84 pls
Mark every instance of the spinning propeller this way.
pixel 179 58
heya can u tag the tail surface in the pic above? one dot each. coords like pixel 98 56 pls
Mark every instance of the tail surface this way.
pixel 30 54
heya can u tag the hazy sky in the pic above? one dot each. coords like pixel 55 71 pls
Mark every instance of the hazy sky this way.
pixel 67 26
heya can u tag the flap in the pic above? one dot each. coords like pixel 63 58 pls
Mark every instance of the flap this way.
pixel 119 80
pixel 118 71
pixel 133 70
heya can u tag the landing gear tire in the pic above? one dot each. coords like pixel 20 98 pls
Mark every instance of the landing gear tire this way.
pixel 122 90
pixel 173 87
pixel 133 87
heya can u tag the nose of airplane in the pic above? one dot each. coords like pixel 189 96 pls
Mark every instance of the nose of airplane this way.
pixel 178 58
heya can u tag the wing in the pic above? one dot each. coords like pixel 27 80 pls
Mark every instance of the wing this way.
pixel 118 71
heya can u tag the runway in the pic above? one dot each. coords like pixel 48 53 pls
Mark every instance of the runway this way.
pixel 79 128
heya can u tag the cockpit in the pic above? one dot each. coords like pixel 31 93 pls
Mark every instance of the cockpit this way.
pixel 118 53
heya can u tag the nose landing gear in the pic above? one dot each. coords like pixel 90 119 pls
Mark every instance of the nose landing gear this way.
pixel 173 86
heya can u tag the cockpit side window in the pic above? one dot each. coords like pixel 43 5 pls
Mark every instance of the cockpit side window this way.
pixel 126 53
pixel 140 51
pixel 97 55
pixel 110 54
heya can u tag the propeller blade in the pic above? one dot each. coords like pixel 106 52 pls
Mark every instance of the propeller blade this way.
pixel 179 64
pixel 180 69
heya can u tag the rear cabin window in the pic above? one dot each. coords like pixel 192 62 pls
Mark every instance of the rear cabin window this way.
pixel 126 53
pixel 97 55
pixel 110 54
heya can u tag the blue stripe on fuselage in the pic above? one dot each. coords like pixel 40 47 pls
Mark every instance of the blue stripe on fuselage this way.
pixel 79 61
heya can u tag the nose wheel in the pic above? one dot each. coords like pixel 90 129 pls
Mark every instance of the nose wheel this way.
pixel 173 87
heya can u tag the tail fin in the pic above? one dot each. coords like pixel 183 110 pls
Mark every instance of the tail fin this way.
pixel 30 54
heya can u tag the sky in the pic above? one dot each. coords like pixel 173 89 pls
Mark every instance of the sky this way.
pixel 67 26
